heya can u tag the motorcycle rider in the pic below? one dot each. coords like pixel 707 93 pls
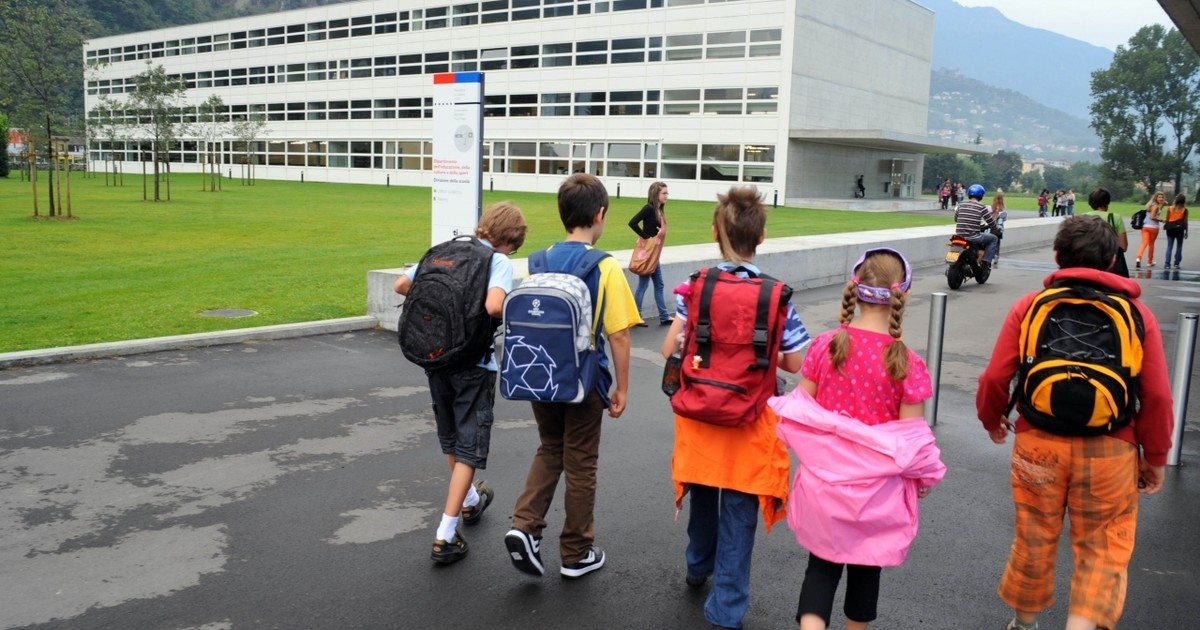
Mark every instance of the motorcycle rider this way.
pixel 973 221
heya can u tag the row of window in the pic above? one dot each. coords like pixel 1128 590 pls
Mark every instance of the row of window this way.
pixel 674 102
pixel 467 14
pixel 683 47
pixel 710 162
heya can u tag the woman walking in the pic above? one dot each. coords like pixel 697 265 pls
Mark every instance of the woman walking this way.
pixel 1150 228
pixel 1176 228
pixel 651 222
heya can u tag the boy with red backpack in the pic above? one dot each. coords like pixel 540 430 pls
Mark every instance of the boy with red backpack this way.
pixel 728 456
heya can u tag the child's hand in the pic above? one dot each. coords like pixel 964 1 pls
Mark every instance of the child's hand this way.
pixel 923 492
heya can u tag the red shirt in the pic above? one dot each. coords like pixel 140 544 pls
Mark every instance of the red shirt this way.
pixel 1151 425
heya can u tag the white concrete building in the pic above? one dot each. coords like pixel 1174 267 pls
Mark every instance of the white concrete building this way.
pixel 798 97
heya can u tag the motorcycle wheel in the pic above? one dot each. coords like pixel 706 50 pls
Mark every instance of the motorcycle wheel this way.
pixel 982 274
pixel 954 277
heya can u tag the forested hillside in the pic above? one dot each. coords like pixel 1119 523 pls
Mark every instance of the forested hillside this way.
pixel 127 16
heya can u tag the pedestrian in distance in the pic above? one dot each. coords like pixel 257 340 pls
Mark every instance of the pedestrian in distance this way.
pixel 1150 226
pixel 731 472
pixel 463 397
pixel 651 222
pixel 1074 454
pixel 569 434
pixel 1041 201
pixel 1071 202
pixel 853 502
pixel 1176 228
pixel 999 217
pixel 1099 201
pixel 944 194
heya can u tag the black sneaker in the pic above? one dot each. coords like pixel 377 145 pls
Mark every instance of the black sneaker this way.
pixel 449 552
pixel 695 582
pixel 471 515
pixel 594 560
pixel 666 322
pixel 641 324
pixel 525 552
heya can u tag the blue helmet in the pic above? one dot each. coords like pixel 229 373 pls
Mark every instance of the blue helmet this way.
pixel 976 191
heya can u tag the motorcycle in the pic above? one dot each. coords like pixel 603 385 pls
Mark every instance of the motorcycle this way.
pixel 964 261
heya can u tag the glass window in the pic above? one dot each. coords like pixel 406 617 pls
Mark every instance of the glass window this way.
pixel 557 97
pixel 722 108
pixel 632 43
pixel 552 49
pixel 766 35
pixel 629 57
pixel 624 150
pixel 723 94
pixel 592 46
pixel 761 107
pixel 758 173
pixel 675 41
pixel 765 50
pixel 679 152
pixel 624 169
pixel 684 54
pixel 729 37
pixel 681 95
pixel 727 52
pixel 719 172
pixel 626 96
pixel 758 153
pixel 720 152
pixel 633 109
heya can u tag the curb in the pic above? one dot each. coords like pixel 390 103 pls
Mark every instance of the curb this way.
pixel 27 358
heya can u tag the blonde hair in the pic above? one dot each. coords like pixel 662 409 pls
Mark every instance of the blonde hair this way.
pixel 739 218
pixel 880 269
pixel 998 199
pixel 502 224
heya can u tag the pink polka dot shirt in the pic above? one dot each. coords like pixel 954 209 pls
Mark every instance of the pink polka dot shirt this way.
pixel 863 389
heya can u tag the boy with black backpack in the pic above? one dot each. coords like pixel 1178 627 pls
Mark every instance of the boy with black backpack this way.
pixel 571 397
pixel 1091 391
pixel 453 299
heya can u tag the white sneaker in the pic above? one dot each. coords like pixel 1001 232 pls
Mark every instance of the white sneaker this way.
pixel 594 560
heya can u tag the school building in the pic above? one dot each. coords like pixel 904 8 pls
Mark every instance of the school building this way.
pixel 798 97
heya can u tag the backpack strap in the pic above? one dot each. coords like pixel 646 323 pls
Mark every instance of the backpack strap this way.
pixel 762 317
pixel 538 262
pixel 583 269
pixel 703 321
pixel 762 333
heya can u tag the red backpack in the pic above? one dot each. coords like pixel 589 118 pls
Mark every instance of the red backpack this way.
pixel 731 346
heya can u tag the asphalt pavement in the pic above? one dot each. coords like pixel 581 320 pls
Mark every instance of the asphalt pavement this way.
pixel 296 484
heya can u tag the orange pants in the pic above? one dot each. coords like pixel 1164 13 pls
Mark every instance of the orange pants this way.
pixel 1148 237
pixel 1094 481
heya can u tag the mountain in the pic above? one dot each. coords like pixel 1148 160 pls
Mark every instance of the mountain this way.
pixel 962 109
pixel 981 43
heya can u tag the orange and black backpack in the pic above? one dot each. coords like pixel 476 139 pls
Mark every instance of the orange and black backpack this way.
pixel 1081 356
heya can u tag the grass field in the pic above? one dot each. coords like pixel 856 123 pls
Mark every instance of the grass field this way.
pixel 129 269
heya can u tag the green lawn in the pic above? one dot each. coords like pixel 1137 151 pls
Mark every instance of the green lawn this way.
pixel 128 269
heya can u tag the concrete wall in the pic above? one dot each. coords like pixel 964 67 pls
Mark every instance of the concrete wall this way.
pixel 801 261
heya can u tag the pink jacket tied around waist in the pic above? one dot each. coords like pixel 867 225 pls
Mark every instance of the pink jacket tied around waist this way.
pixel 854 496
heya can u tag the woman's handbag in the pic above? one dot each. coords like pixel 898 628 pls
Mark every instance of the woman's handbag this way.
pixel 644 260
pixel 645 256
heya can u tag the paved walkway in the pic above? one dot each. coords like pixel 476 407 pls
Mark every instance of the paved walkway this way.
pixel 295 483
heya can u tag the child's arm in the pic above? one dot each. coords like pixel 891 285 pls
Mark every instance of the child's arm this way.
pixel 791 361
pixel 671 342
pixel 620 342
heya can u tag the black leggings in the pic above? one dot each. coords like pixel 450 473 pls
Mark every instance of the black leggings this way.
pixel 821 582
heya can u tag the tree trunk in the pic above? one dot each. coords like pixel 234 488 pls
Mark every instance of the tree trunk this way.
pixel 70 214
pixel 49 160
pixel 58 169
pixel 167 168
pixel 33 180
pixel 144 179
pixel 154 152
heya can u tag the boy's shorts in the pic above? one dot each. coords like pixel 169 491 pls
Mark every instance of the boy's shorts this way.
pixel 462 410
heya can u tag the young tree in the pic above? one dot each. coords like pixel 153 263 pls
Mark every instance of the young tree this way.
pixel 1152 80
pixel 36 73
pixel 106 127
pixel 157 100
pixel 247 129
pixel 211 127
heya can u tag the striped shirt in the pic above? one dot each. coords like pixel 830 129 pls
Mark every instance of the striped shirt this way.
pixel 969 216
pixel 795 335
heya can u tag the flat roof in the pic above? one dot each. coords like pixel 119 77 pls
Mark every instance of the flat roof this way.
pixel 882 139
pixel 1186 16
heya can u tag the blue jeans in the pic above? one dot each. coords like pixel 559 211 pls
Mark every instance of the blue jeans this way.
pixel 721 528
pixel 1175 240
pixel 659 300
pixel 991 245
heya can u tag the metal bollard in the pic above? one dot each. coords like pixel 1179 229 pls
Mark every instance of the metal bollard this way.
pixel 933 353
pixel 1185 344
pixel 618 190
pixel 775 201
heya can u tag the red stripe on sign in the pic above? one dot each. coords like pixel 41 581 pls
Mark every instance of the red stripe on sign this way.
pixel 444 77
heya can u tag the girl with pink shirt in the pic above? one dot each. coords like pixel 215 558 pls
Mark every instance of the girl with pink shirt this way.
pixel 866 455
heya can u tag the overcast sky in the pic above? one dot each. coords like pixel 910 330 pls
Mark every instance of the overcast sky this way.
pixel 1107 23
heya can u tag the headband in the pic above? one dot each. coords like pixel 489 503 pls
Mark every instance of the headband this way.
pixel 880 295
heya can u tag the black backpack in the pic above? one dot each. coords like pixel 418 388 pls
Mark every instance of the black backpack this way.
pixel 444 324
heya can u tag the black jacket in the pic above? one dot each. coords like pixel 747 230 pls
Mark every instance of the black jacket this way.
pixel 645 222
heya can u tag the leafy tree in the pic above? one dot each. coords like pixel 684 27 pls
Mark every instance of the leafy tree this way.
pixel 1152 81
pixel 3 145
pixel 41 67
pixel 938 166
pixel 106 127
pixel 157 101
pixel 1001 169
pixel 1032 182
pixel 1056 178
pixel 1085 177
pixel 211 130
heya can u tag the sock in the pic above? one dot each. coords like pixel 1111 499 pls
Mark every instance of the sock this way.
pixel 472 497
pixel 448 528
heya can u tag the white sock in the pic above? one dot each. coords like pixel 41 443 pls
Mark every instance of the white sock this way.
pixel 448 528
pixel 472 497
